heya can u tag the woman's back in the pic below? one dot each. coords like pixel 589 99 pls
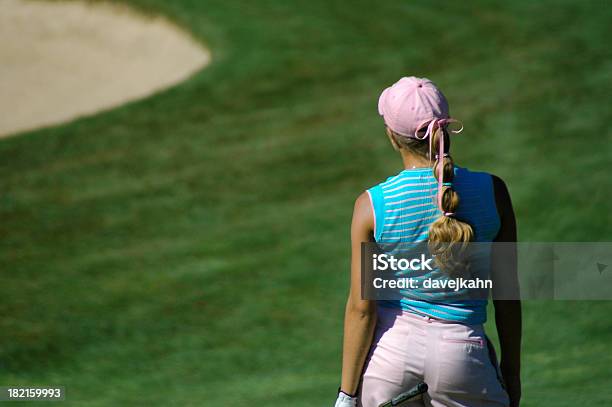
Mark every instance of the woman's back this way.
pixel 404 208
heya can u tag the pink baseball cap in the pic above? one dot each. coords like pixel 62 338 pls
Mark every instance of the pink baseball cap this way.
pixel 410 104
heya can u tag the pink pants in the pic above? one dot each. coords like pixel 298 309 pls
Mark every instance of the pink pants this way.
pixel 453 359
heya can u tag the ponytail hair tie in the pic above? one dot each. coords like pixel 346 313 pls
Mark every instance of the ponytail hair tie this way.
pixel 449 214
pixel 432 124
pixel 443 155
pixel 447 184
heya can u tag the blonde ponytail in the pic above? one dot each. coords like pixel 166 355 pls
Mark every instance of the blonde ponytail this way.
pixel 448 236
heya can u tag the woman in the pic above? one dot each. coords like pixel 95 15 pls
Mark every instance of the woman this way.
pixel 391 346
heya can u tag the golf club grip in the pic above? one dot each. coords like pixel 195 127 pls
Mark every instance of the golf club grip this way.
pixel 411 394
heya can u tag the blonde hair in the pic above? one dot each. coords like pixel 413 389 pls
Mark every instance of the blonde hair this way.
pixel 448 236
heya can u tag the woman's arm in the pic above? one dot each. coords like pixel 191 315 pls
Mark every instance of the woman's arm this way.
pixel 506 296
pixel 360 315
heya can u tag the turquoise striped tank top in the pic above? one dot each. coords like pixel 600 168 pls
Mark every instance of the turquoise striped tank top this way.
pixel 404 208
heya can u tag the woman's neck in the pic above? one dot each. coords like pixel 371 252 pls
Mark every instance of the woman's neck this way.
pixel 411 160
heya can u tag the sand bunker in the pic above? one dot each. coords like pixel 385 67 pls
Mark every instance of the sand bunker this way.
pixel 61 60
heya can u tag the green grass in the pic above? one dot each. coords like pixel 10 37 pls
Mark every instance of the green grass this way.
pixel 192 248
